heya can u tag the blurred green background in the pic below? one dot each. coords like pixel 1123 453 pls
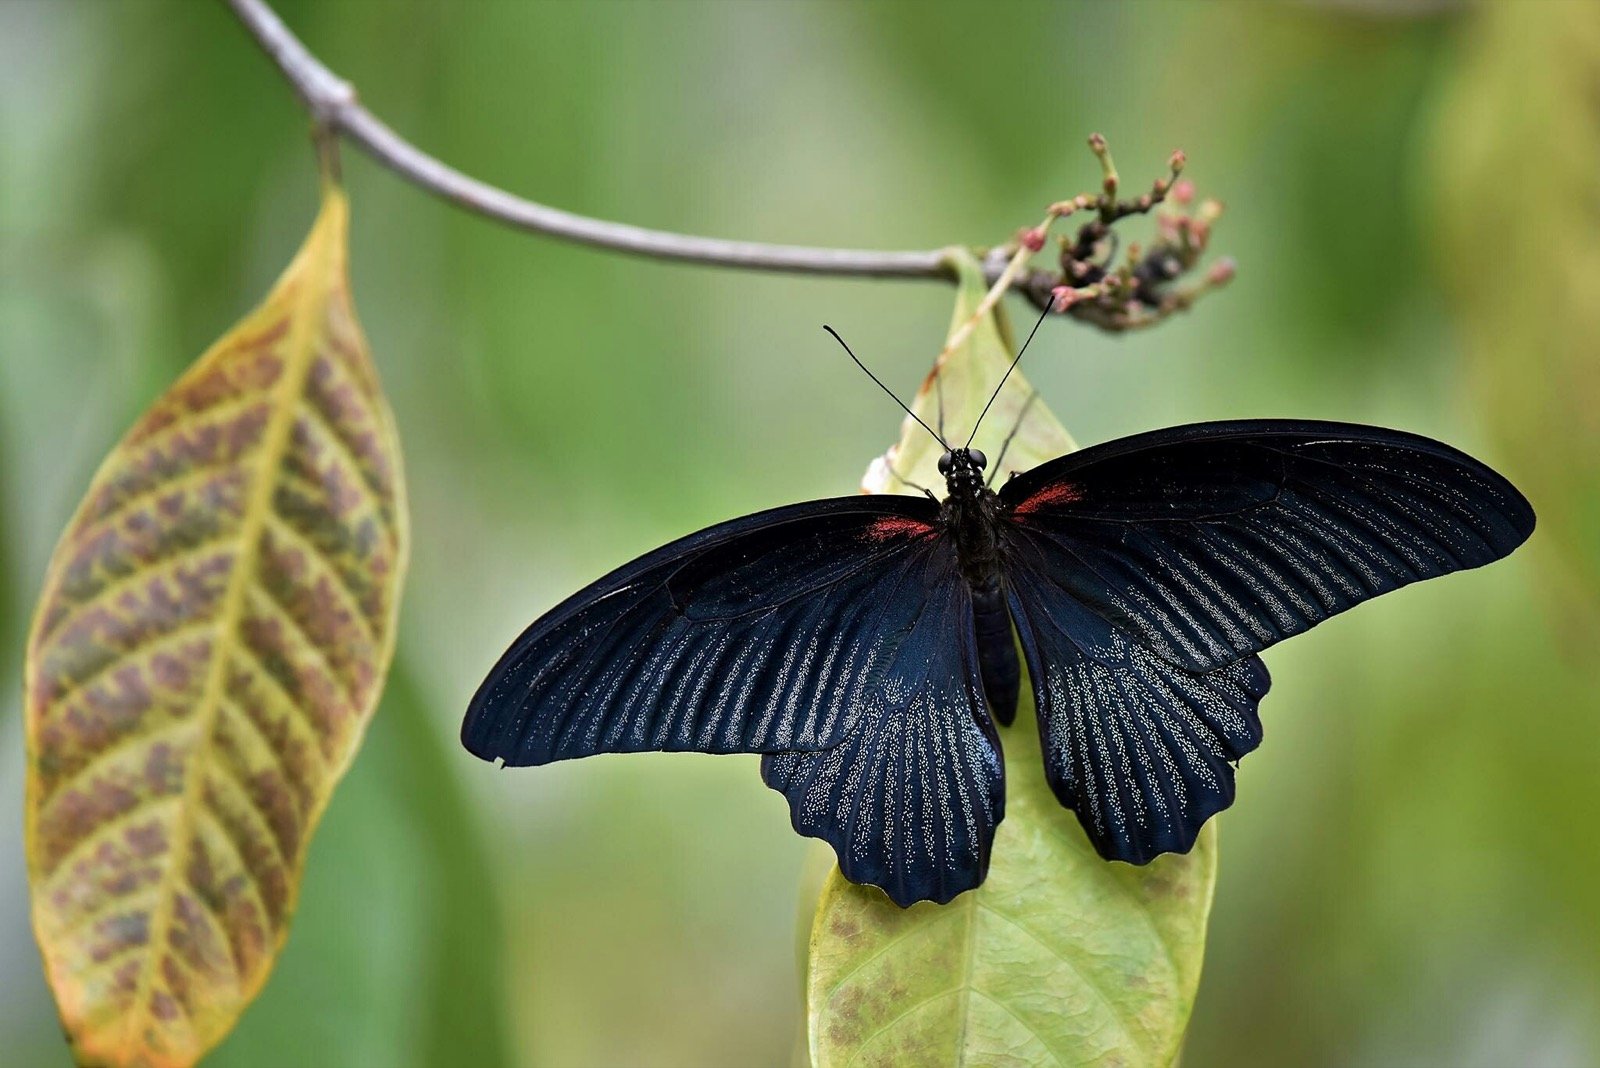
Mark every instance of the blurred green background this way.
pixel 1412 870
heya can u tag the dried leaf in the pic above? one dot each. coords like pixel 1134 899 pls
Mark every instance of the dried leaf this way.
pixel 956 390
pixel 1059 957
pixel 212 638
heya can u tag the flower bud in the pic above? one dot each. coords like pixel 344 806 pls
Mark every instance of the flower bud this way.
pixel 1063 297
pixel 1222 272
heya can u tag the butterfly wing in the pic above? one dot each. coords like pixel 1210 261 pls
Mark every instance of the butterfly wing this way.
pixel 1139 747
pixel 1212 541
pixel 1144 574
pixel 911 797
pixel 835 636
pixel 762 634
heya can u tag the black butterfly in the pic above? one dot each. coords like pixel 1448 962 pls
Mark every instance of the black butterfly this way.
pixel 864 645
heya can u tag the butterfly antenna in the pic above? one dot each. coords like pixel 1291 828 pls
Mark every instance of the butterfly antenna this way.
pixel 885 388
pixel 1007 375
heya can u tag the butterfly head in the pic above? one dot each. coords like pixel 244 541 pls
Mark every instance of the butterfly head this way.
pixel 963 470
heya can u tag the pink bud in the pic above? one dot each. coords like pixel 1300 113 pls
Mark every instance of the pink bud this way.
pixel 1183 191
pixel 1178 160
pixel 1063 297
pixel 1222 271
pixel 1097 142
pixel 1033 238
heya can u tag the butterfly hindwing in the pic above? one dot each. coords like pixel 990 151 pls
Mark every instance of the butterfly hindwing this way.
pixel 1213 541
pixel 1139 747
pixel 763 634
pixel 911 797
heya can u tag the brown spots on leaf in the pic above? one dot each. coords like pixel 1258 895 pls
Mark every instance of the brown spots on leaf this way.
pixel 348 414
pixel 112 558
pixel 175 459
pixel 256 847
pixel 317 608
pixel 164 768
pixel 115 935
pixel 280 726
pixel 163 1006
pixel 80 721
pixel 199 949
pixel 296 668
pixel 94 874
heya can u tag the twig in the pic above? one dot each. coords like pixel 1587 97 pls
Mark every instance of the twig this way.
pixel 1089 287
pixel 333 104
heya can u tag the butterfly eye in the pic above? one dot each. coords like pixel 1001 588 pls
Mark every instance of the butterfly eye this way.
pixel 944 464
pixel 978 458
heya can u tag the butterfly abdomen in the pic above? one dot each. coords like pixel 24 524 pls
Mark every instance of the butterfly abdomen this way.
pixel 997 651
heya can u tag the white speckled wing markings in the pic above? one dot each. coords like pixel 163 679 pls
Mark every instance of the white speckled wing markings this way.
pixel 911 797
pixel 758 635
pixel 1139 747
pixel 1213 541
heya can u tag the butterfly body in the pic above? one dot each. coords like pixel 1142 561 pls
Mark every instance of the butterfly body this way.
pixel 865 646
pixel 972 517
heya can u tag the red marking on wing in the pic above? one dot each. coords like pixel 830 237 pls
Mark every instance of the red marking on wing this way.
pixel 892 527
pixel 1060 493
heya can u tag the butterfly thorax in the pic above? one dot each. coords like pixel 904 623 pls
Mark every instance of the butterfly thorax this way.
pixel 971 515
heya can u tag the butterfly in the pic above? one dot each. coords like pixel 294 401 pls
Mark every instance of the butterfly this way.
pixel 866 646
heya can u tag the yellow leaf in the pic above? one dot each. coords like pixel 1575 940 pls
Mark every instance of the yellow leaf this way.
pixel 211 641
pixel 1059 957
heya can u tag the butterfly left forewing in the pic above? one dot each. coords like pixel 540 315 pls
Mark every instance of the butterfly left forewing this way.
pixel 757 635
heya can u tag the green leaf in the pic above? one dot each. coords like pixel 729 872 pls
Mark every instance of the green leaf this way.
pixel 1059 957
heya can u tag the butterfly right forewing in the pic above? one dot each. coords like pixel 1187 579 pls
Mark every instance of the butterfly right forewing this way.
pixel 1212 541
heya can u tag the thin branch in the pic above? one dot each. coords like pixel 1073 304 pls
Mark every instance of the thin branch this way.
pixel 1089 287
pixel 333 104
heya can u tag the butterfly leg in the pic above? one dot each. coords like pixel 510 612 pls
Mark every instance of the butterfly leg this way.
pixel 1021 415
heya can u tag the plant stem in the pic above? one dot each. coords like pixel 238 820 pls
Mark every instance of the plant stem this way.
pixel 333 105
